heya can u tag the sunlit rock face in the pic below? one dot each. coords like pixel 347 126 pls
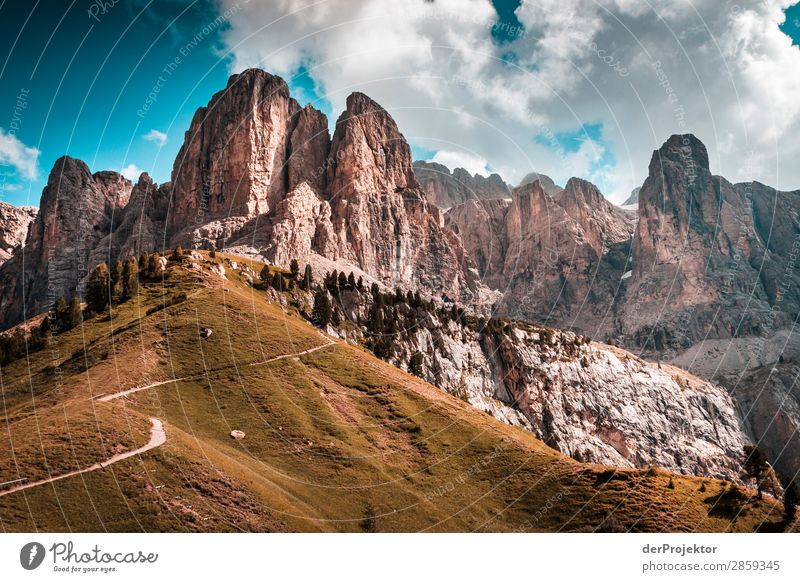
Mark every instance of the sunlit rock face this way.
pixel 14 223
pixel 77 211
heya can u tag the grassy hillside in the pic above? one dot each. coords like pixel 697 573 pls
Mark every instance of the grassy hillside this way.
pixel 336 440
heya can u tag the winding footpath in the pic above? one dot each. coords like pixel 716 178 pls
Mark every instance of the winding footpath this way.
pixel 114 396
pixel 158 435
pixel 157 438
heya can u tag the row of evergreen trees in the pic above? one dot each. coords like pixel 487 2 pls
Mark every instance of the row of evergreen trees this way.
pixel 104 287
pixel 281 282
pixel 121 283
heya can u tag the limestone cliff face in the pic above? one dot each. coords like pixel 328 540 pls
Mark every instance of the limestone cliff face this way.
pixel 604 225
pixel 556 259
pixel 233 162
pixel 768 401
pixel 139 227
pixel 445 189
pixel 381 219
pixel 309 150
pixel 78 209
pixel 548 261
pixel 594 402
pixel 14 223
pixel 481 226
pixel 301 225
pixel 708 256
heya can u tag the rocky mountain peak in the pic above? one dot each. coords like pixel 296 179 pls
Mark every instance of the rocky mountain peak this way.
pixel 682 150
pixel 369 152
pixel 603 224
pixel 77 210
pixel 582 192
pixel 547 182
pixel 69 174
pixel 633 199
pixel 310 146
pixel 700 254
pixel 254 82
pixel 447 190
pixel 233 162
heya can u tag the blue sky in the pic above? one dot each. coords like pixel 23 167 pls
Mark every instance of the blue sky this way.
pixel 84 85
pixel 791 26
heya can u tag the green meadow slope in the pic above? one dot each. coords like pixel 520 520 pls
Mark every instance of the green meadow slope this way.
pixel 336 440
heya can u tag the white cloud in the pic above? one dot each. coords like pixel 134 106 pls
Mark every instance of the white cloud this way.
pixel 734 78
pixel 131 172
pixel 14 153
pixel 157 137
pixel 471 163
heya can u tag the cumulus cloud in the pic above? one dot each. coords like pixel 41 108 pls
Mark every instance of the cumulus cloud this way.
pixel 131 172
pixel 642 70
pixel 14 153
pixel 157 137
pixel 471 163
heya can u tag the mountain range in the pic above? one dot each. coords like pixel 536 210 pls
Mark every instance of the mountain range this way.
pixel 548 286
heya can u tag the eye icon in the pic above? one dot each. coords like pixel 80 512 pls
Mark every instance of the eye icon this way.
pixel 31 555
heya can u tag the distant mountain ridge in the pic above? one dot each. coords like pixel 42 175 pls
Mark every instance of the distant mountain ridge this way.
pixel 274 183
pixel 547 183
pixel 446 189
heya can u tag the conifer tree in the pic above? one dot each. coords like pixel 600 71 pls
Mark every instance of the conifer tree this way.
pixel 277 281
pixel 45 327
pixel 376 320
pixel 415 364
pixel 321 314
pixel 790 499
pixel 60 315
pixel 756 466
pixel 152 266
pixel 332 281
pixel 98 289
pixel 75 313
pixel 116 282
pixel 130 279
